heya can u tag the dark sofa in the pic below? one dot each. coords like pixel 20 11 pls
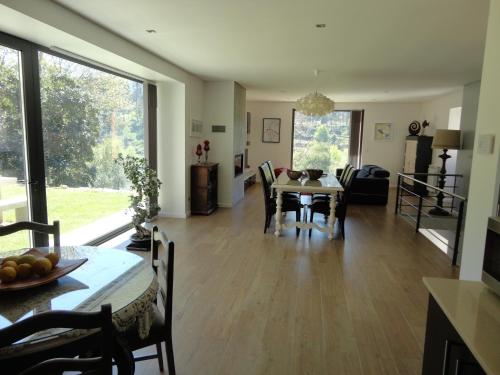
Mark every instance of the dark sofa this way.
pixel 371 185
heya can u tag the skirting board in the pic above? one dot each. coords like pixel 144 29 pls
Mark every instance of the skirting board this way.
pixel 175 215
pixel 225 205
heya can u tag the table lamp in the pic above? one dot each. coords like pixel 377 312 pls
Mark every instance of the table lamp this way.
pixel 444 139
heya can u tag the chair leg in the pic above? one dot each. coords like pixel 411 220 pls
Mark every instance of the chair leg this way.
pixel 297 217
pixel 267 223
pixel 311 220
pixel 342 222
pixel 170 355
pixel 160 356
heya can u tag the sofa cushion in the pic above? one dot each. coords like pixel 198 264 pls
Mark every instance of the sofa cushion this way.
pixel 380 172
pixel 368 167
pixel 363 173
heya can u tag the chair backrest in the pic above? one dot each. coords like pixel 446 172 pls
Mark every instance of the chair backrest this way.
pixel 266 178
pixel 346 174
pixel 36 227
pixel 271 169
pixel 165 270
pixel 66 319
pixel 346 194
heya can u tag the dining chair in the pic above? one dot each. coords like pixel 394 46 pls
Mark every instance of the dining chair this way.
pixel 161 329
pixel 58 359
pixel 287 194
pixel 346 172
pixel 322 204
pixel 36 227
pixel 289 203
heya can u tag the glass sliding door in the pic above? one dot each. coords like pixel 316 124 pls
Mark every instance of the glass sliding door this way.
pixel 88 117
pixel 14 200
pixel 321 142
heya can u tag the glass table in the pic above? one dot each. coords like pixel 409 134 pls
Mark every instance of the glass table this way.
pixel 325 185
pixel 123 279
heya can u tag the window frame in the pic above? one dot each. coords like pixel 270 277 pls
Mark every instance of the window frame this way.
pixel 35 173
pixel 350 134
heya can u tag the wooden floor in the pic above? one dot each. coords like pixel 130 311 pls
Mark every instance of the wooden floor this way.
pixel 246 302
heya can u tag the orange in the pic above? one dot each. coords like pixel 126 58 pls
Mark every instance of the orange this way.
pixel 8 274
pixel 53 257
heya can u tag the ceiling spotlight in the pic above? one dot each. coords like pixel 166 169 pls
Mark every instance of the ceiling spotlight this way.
pixel 151 31
pixel 320 25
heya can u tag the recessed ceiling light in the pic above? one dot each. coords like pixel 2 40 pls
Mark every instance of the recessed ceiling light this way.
pixel 320 25
pixel 151 31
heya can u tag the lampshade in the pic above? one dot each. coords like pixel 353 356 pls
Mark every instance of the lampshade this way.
pixel 446 138
pixel 315 104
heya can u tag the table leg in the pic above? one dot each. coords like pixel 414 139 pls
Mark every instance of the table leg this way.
pixel 331 218
pixel 279 201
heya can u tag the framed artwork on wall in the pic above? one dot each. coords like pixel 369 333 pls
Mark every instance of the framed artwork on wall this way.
pixel 196 128
pixel 383 131
pixel 271 130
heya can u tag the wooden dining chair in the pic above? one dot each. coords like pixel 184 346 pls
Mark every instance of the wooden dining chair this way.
pixel 161 329
pixel 33 226
pixel 58 360
pixel 322 204
pixel 289 203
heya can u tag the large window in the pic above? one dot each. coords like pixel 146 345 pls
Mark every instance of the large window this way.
pixel 74 119
pixel 13 192
pixel 321 142
pixel 88 118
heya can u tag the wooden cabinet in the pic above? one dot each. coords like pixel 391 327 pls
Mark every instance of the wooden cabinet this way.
pixel 418 157
pixel 445 351
pixel 203 188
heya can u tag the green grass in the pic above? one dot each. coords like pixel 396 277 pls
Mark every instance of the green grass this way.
pixel 74 208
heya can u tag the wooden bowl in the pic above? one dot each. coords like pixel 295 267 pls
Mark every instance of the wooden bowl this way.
pixel 314 174
pixel 294 175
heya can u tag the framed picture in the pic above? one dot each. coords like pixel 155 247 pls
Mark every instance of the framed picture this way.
pixel 196 128
pixel 271 130
pixel 383 131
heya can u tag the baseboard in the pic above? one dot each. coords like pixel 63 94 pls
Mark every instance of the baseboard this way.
pixel 225 205
pixel 174 215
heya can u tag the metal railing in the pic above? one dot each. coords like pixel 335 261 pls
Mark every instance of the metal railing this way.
pixel 410 193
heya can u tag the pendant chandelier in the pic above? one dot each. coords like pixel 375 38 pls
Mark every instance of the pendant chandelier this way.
pixel 315 103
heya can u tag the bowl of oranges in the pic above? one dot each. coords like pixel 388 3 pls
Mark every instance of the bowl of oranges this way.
pixel 34 268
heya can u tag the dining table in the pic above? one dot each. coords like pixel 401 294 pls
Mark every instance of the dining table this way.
pixel 328 184
pixel 109 276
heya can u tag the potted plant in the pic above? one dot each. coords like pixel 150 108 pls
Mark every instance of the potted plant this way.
pixel 145 187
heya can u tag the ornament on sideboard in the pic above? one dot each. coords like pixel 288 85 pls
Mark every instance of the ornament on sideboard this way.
pixel 198 152
pixel 425 124
pixel 414 127
pixel 206 147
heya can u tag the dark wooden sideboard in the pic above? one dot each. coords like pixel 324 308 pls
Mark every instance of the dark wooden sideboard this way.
pixel 203 188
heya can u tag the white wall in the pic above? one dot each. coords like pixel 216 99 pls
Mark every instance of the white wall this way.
pixel 171 148
pixel 485 175
pixel 468 122
pixel 387 154
pixel 239 138
pixel 219 110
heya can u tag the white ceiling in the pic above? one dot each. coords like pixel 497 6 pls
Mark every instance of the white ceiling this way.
pixel 384 50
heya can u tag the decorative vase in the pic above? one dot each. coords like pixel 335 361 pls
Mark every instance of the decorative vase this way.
pixel 206 147
pixel 199 152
